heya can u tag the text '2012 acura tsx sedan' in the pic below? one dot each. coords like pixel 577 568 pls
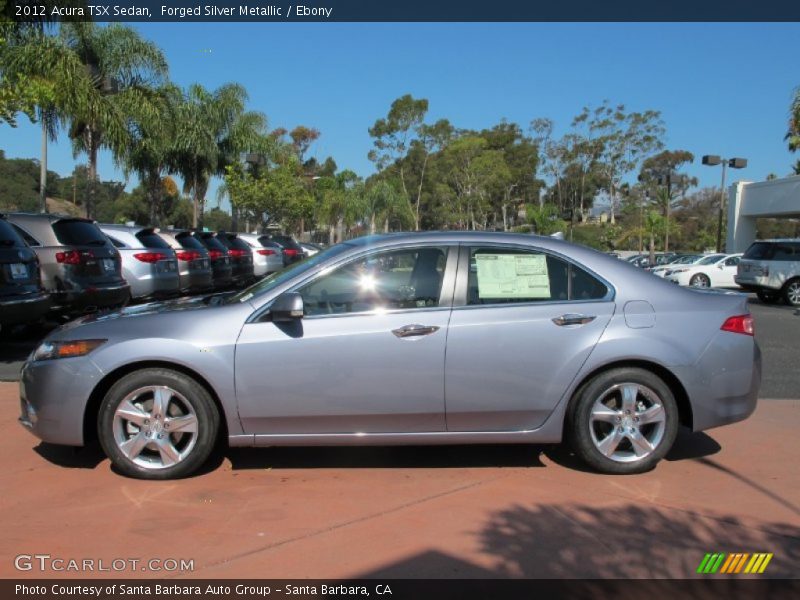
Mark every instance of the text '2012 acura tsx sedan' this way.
pixel 432 338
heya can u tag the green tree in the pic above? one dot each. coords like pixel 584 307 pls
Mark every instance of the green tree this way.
pixel 793 134
pixel 661 173
pixel 212 129
pixel 625 138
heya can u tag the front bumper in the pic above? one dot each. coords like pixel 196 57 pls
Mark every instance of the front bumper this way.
pixel 24 309
pixel 53 398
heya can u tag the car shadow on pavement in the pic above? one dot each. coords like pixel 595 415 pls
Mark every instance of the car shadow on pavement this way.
pixel 687 446
pixel 630 541
pixel 71 457
pixel 432 457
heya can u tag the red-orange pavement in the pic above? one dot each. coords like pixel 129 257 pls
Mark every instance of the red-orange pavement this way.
pixel 494 511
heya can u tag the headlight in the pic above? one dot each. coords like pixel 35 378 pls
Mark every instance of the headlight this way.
pixel 65 349
pixel 679 271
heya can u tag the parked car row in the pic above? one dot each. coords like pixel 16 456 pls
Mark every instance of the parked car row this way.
pixel 69 265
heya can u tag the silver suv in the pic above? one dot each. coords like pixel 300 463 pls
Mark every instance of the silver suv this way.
pixel 267 256
pixel 148 262
pixel 80 267
pixel 771 269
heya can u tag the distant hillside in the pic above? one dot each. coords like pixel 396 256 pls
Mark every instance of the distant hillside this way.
pixel 64 207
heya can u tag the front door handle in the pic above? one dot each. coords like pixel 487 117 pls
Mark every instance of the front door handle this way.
pixel 415 330
pixel 573 319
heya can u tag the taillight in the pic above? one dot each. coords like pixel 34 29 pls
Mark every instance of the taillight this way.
pixel 290 252
pixel 215 254
pixel 188 255
pixel 265 252
pixel 150 257
pixel 236 253
pixel 739 324
pixel 70 257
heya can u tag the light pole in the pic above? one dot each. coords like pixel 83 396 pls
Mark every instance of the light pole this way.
pixel 713 160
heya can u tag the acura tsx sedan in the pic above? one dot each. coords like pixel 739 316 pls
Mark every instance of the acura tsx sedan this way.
pixel 429 338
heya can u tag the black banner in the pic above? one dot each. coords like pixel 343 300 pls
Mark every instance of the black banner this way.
pixel 730 588
pixel 403 10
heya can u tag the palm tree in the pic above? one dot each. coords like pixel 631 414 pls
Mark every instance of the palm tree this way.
pixel 213 129
pixel 98 76
pixel 123 70
pixel 151 131
pixel 384 203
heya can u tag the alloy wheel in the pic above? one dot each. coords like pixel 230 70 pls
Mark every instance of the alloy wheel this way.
pixel 155 427
pixel 627 422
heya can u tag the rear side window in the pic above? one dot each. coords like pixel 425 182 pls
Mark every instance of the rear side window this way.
pixel 189 242
pixel 8 236
pixel 79 233
pixel 760 251
pixel 787 252
pixel 511 276
pixel 150 239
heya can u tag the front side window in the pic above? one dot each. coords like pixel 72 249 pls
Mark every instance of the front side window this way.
pixel 512 276
pixel 390 280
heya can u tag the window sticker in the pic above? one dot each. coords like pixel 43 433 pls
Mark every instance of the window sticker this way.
pixel 512 276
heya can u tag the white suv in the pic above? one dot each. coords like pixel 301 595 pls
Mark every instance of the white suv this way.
pixel 771 269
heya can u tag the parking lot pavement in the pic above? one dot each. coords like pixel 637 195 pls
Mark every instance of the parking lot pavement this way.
pixel 492 511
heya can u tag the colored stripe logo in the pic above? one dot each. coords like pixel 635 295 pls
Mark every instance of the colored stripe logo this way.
pixel 733 563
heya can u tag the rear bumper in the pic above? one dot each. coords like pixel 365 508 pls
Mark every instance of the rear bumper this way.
pixel 24 309
pixel 158 286
pixel 92 298
pixel 723 385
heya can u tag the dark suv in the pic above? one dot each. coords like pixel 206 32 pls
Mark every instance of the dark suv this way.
pixel 220 261
pixel 80 267
pixel 241 258
pixel 22 298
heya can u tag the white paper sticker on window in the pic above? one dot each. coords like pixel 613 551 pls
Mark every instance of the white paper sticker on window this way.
pixel 512 276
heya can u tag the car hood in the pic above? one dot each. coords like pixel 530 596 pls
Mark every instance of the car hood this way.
pixel 144 310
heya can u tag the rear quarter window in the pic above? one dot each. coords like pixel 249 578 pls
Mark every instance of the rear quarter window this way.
pixel 79 233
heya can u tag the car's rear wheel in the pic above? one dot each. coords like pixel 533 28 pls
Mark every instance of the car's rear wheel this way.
pixel 157 424
pixel 623 421
pixel 700 281
pixel 768 297
pixel 791 292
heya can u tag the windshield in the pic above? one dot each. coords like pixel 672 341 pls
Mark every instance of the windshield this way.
pixel 710 260
pixel 279 277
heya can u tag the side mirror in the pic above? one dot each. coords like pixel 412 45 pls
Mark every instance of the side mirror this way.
pixel 287 307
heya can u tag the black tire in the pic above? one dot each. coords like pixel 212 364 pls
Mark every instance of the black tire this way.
pixel 791 292
pixel 186 399
pixel 768 297
pixel 582 432
pixel 700 280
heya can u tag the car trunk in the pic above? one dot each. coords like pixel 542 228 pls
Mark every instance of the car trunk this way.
pixel 89 254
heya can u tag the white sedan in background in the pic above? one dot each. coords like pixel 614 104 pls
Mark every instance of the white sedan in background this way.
pixel 713 271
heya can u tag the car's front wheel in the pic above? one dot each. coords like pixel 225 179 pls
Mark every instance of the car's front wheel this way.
pixel 623 421
pixel 157 424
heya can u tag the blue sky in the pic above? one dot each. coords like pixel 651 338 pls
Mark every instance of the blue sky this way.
pixel 722 88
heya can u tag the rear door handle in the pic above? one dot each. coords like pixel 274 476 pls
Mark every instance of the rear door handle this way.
pixel 573 319
pixel 415 330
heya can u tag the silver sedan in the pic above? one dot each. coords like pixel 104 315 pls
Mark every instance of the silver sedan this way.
pixel 432 338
